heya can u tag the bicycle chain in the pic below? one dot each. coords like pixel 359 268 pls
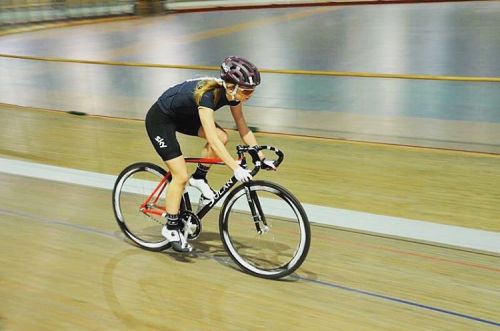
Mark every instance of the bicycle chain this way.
pixel 162 223
pixel 154 219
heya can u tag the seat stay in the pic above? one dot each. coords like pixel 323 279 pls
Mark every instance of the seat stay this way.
pixel 157 191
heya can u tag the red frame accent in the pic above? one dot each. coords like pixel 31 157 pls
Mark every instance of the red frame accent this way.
pixel 156 211
pixel 207 160
pixel 159 211
pixel 158 190
pixel 203 160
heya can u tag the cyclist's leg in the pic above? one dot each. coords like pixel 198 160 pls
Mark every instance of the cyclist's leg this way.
pixel 207 151
pixel 172 231
pixel 178 169
pixel 199 177
pixel 161 131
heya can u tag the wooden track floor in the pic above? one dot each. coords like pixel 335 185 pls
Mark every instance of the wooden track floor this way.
pixel 66 266
pixel 61 248
pixel 448 187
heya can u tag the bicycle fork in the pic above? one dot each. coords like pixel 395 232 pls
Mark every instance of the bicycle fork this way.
pixel 256 209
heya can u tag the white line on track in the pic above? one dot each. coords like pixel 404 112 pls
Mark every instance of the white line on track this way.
pixel 386 225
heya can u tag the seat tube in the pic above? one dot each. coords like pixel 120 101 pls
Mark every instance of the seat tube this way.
pixel 187 201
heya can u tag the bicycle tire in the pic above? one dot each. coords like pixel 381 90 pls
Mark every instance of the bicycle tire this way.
pixel 273 254
pixel 132 187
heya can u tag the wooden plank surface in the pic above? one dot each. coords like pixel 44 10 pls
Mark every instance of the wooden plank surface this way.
pixel 440 186
pixel 62 250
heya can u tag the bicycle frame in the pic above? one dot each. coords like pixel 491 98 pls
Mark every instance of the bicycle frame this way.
pixel 149 205
pixel 144 185
pixel 218 194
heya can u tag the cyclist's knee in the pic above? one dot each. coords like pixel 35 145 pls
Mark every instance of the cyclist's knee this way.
pixel 222 136
pixel 180 177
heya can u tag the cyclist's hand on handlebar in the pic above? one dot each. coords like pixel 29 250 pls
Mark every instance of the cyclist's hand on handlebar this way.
pixel 267 164
pixel 242 175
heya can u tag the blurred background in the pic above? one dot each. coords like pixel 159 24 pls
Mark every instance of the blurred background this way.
pixel 389 115
pixel 413 74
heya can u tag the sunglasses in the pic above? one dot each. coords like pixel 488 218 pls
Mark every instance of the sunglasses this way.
pixel 246 92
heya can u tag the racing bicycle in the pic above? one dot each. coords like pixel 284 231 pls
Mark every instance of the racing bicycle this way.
pixel 262 225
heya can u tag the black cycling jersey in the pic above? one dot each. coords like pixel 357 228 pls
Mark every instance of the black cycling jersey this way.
pixel 176 111
pixel 179 101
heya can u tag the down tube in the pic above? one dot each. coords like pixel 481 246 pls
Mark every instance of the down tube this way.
pixel 218 196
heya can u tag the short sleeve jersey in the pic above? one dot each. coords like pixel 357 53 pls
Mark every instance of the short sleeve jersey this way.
pixel 178 102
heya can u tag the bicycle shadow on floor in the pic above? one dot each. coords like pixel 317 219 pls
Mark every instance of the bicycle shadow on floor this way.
pixel 209 247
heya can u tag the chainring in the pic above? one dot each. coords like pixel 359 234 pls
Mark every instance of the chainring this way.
pixel 192 224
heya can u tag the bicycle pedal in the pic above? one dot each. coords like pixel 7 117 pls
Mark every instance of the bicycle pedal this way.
pixel 181 248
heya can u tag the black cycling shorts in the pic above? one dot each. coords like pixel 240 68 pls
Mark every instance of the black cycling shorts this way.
pixel 161 131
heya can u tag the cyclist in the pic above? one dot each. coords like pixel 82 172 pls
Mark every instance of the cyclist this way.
pixel 189 108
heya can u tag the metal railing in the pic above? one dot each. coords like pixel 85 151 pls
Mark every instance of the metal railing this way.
pixel 15 13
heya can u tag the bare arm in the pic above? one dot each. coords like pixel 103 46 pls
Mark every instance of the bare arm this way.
pixel 208 123
pixel 245 133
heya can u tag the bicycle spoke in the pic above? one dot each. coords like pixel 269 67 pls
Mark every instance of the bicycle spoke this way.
pixel 282 238
pixel 139 189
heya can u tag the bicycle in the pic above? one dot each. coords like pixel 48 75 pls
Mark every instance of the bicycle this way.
pixel 263 227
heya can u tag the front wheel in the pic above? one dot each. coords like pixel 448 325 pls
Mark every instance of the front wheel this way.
pixel 265 229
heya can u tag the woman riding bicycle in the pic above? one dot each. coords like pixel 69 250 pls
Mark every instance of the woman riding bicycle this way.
pixel 189 108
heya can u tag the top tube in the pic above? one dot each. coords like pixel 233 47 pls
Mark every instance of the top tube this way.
pixel 241 149
pixel 203 160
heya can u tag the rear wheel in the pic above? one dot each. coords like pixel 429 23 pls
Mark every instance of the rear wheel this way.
pixel 132 188
pixel 265 229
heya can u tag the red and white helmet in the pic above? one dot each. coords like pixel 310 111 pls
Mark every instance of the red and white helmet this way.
pixel 239 71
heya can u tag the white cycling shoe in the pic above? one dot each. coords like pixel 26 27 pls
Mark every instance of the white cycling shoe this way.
pixel 203 187
pixel 177 239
